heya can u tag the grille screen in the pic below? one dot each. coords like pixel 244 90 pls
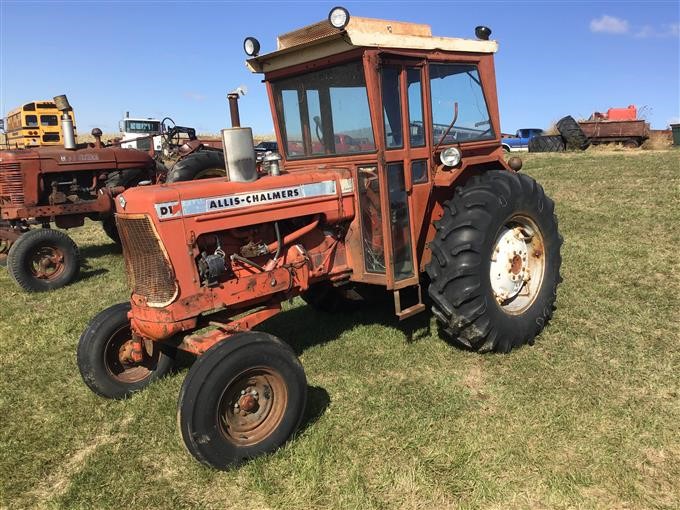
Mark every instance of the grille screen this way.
pixel 11 185
pixel 149 272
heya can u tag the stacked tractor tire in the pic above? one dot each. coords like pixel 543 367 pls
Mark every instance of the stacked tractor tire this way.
pixel 571 137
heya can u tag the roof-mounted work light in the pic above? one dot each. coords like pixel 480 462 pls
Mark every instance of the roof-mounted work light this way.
pixel 251 46
pixel 483 32
pixel 338 17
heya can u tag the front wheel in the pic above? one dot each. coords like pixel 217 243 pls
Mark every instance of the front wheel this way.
pixel 105 356
pixel 43 259
pixel 110 229
pixel 243 397
pixel 495 262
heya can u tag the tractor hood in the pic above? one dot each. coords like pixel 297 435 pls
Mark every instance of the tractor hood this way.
pixel 208 199
pixel 104 158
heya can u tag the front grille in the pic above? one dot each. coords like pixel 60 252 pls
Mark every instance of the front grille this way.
pixel 149 272
pixel 11 184
pixel 144 144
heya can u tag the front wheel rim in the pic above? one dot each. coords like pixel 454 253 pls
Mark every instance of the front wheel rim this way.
pixel 118 362
pixel 47 263
pixel 252 406
pixel 517 265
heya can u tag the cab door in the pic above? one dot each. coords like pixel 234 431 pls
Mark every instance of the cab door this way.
pixel 404 163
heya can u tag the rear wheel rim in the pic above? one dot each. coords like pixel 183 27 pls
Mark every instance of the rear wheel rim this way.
pixel 252 406
pixel 209 173
pixel 117 362
pixel 517 265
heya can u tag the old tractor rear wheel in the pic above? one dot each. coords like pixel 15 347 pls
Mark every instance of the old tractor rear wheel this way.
pixel 43 259
pixel 572 133
pixel 325 297
pixel 546 143
pixel 495 262
pixel 242 398
pixel 105 356
pixel 199 165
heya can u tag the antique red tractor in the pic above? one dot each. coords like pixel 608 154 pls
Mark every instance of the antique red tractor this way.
pixel 60 185
pixel 391 176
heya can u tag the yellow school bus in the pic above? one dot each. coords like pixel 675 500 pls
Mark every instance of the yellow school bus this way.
pixel 35 124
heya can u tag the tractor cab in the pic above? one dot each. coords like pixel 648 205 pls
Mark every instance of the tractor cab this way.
pixel 403 110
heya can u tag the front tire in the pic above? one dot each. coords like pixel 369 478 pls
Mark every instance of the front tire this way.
pixel 103 361
pixel 495 262
pixel 242 398
pixel 110 229
pixel 43 259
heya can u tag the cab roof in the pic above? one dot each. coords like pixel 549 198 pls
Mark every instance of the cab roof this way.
pixel 322 40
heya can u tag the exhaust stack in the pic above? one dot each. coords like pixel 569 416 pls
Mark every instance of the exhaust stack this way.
pixel 238 146
pixel 66 123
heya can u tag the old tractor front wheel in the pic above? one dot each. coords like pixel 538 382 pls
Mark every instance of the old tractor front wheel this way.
pixel 43 259
pixel 106 359
pixel 495 262
pixel 243 397
pixel 110 229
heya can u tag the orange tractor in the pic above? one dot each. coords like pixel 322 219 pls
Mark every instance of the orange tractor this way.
pixel 391 177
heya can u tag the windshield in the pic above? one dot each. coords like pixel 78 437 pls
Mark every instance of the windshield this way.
pixel 142 126
pixel 452 84
pixel 325 112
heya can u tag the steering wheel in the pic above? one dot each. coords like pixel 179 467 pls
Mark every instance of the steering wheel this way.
pixel 167 129
pixel 484 133
pixel 317 129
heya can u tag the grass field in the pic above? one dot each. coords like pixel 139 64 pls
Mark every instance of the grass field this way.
pixel 588 417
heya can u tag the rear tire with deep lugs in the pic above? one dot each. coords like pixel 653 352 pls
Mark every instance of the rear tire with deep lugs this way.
pixel 495 262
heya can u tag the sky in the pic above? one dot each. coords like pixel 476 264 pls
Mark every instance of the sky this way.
pixel 179 59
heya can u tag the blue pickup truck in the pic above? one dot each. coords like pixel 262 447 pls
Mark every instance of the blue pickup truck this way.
pixel 520 142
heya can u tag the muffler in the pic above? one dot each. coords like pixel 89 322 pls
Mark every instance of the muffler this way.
pixel 69 134
pixel 238 146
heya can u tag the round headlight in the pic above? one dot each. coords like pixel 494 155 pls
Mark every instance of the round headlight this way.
pixel 450 156
pixel 338 17
pixel 251 46
pixel 483 33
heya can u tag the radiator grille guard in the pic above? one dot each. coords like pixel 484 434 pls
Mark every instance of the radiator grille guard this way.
pixel 149 272
pixel 11 184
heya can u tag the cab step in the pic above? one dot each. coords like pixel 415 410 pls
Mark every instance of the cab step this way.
pixel 409 311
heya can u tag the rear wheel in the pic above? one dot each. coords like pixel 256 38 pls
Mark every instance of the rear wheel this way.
pixel 495 262
pixel 631 143
pixel 546 143
pixel 199 165
pixel 126 178
pixel 572 133
pixel 105 356
pixel 326 297
pixel 43 259
pixel 242 398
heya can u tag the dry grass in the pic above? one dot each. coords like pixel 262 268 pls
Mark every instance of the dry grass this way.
pixel 589 417
pixel 659 139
